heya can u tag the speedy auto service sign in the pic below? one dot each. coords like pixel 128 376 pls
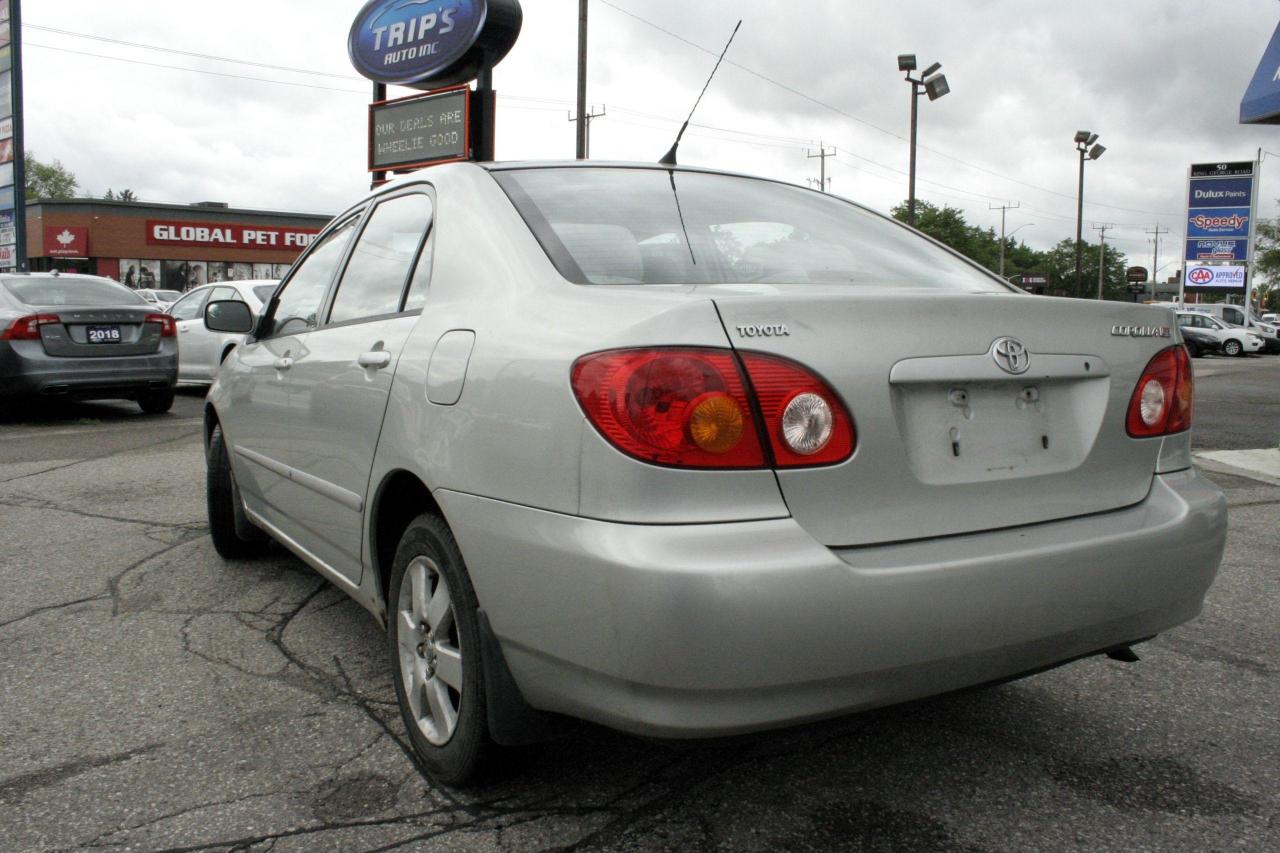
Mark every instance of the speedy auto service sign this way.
pixel 220 235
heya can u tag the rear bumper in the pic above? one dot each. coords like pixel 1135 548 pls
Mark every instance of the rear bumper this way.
pixel 705 630
pixel 26 370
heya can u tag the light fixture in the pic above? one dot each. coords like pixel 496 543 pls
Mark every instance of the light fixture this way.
pixel 936 86
pixel 932 69
pixel 906 62
pixel 1082 137
pixel 1096 151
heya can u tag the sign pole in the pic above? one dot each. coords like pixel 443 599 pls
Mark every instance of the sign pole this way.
pixel 1253 224
pixel 379 95
pixel 484 124
pixel 1186 250
pixel 19 152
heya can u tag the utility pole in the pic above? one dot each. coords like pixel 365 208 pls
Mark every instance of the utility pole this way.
pixel 821 157
pixel 1102 252
pixel 1003 208
pixel 584 145
pixel 1155 255
pixel 582 80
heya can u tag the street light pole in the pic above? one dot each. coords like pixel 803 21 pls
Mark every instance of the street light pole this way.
pixel 1085 144
pixel 935 86
pixel 1003 208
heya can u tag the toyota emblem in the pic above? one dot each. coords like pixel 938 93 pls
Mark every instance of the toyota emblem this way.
pixel 1011 355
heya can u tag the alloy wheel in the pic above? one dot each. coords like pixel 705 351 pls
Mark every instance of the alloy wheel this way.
pixel 430 654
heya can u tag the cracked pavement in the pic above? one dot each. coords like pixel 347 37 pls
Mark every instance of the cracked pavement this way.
pixel 155 697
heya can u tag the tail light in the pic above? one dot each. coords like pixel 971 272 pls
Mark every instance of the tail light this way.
pixel 168 326
pixel 806 421
pixel 28 328
pixel 693 407
pixel 1163 401
pixel 679 407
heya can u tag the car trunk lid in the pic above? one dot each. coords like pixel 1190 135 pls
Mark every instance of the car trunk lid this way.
pixel 948 441
pixel 95 332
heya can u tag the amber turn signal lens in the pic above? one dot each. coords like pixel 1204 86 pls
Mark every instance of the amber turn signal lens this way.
pixel 715 423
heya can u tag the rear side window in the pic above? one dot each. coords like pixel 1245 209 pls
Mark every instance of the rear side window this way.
pixel 71 291
pixel 374 282
pixel 608 225
pixel 299 303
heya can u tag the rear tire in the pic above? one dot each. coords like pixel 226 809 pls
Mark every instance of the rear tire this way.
pixel 223 499
pixel 433 639
pixel 156 402
pixel 1233 347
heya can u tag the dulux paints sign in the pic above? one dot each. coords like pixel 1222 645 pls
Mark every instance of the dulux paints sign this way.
pixel 405 42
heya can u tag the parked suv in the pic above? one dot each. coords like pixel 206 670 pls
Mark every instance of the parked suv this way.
pixel 648 446
pixel 1233 340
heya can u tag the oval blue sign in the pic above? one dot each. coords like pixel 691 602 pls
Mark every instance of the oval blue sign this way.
pixel 407 42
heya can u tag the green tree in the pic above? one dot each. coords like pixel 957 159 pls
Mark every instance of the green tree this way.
pixel 1060 263
pixel 947 225
pixel 123 195
pixel 49 180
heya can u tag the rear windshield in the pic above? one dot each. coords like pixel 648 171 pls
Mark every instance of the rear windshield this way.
pixel 264 292
pixel 71 291
pixel 658 226
pixel 168 295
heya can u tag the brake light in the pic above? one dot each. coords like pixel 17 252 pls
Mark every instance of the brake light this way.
pixel 28 328
pixel 1162 402
pixel 805 419
pixel 683 407
pixel 168 327
pixel 693 407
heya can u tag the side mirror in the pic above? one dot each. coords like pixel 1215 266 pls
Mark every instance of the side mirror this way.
pixel 228 315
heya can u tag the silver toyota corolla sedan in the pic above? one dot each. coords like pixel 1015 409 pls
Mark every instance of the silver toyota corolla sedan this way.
pixel 688 453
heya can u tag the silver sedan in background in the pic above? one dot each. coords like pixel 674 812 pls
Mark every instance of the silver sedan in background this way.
pixel 200 350
pixel 688 453
pixel 84 337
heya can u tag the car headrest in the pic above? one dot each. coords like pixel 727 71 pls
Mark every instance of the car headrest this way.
pixel 606 254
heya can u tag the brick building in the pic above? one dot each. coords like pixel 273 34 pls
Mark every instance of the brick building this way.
pixel 170 246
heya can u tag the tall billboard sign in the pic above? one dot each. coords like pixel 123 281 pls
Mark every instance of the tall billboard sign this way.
pixel 436 46
pixel 1221 210
pixel 13 224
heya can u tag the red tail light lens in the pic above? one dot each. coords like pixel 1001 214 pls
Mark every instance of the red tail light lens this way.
pixel 684 407
pixel 168 326
pixel 806 421
pixel 1163 401
pixel 28 328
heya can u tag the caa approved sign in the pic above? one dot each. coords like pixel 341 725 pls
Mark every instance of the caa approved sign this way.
pixel 1216 277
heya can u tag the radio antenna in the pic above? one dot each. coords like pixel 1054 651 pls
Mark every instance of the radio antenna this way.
pixel 669 159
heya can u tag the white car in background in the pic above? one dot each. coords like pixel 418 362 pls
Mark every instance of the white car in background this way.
pixel 200 351
pixel 1234 340
pixel 162 299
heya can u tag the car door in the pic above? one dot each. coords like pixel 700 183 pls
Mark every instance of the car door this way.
pixel 341 380
pixel 188 315
pixel 258 378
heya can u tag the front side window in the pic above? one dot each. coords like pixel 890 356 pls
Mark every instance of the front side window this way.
pixel 299 304
pixel 373 284
pixel 1233 315
pixel 1184 320
pixel 190 306
pixel 609 225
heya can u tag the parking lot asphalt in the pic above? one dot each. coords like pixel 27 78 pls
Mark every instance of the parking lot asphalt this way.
pixel 154 696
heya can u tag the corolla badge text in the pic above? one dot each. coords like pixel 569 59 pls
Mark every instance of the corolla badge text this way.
pixel 1123 331
pixel 764 330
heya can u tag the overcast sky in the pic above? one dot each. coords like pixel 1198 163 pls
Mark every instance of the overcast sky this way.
pixel 1159 81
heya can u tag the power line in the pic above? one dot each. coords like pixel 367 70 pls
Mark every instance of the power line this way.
pixel 141 46
pixel 869 124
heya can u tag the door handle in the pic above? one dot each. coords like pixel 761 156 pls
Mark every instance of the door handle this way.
pixel 376 359
pixel 183 329
pixel 283 363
